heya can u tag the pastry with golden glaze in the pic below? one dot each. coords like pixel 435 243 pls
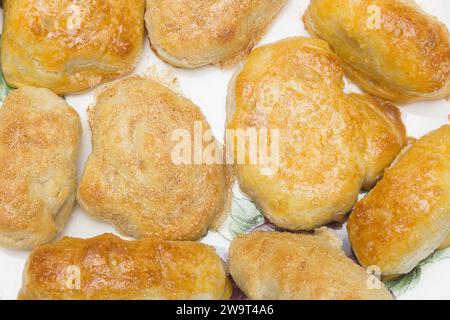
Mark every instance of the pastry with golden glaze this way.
pixel 390 48
pixel 107 268
pixel 192 33
pixel 132 178
pixel 331 144
pixel 284 266
pixel 406 217
pixel 69 46
pixel 39 137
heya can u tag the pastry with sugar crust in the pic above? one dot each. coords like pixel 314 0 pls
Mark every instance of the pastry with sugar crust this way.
pixel 192 33
pixel 69 46
pixel 39 138
pixel 406 217
pixel 109 268
pixel 330 144
pixel 390 48
pixel 134 179
pixel 284 266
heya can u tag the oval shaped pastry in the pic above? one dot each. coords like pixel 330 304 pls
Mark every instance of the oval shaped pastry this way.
pixel 194 33
pixel 69 46
pixel 109 268
pixel 39 136
pixel 406 217
pixel 133 178
pixel 284 266
pixel 329 144
pixel 390 48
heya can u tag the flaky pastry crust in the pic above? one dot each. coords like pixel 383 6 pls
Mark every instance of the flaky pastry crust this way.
pixel 193 33
pixel 331 144
pixel 69 46
pixel 131 179
pixel 107 268
pixel 406 217
pixel 284 266
pixel 39 137
pixel 390 48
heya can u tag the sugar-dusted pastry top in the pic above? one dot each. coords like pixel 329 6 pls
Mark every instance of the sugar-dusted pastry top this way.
pixel 193 33
pixel 133 178
pixel 107 267
pixel 284 266
pixel 390 48
pixel 69 46
pixel 331 144
pixel 39 136
pixel 406 217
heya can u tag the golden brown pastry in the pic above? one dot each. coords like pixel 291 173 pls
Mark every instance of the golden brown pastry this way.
pixel 284 266
pixel 194 33
pixel 330 144
pixel 406 217
pixel 107 267
pixel 69 46
pixel 390 48
pixel 133 179
pixel 39 136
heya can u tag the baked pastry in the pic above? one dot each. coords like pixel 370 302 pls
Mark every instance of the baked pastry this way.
pixel 132 178
pixel 284 266
pixel 330 144
pixel 107 267
pixel 194 33
pixel 390 48
pixel 39 136
pixel 69 46
pixel 406 217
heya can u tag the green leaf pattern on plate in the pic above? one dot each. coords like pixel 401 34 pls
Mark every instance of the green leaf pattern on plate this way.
pixel 399 286
pixel 4 89
pixel 244 216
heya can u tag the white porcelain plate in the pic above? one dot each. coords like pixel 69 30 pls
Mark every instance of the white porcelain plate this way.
pixel 431 280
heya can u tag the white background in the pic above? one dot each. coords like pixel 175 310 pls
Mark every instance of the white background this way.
pixel 207 87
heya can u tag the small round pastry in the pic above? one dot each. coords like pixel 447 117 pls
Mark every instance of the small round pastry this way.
pixel 390 48
pixel 147 174
pixel 284 266
pixel 194 33
pixel 39 137
pixel 329 144
pixel 406 217
pixel 69 46
pixel 109 268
